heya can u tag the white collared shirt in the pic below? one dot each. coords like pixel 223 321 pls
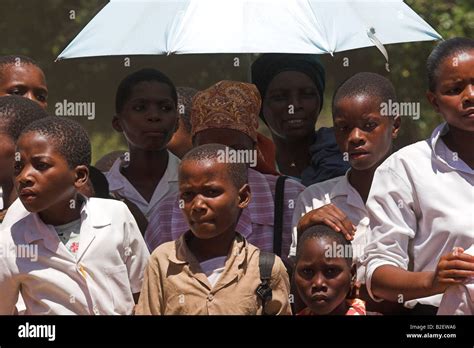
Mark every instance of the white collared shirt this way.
pixel 101 279
pixel 421 206
pixel 168 185
pixel 343 195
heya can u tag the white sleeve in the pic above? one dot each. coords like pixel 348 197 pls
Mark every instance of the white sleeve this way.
pixel 307 200
pixel 393 222
pixel 457 301
pixel 136 251
pixel 9 288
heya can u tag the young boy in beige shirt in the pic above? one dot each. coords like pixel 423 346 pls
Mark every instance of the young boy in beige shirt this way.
pixel 211 269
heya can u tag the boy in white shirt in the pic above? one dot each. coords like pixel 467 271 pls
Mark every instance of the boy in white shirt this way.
pixel 70 254
pixel 364 135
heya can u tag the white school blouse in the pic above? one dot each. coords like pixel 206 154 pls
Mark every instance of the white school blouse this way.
pixel 101 279
pixel 343 195
pixel 421 206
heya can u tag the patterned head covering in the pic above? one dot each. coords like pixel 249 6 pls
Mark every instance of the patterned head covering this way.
pixel 268 65
pixel 227 104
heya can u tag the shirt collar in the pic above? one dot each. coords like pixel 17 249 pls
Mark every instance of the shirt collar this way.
pixel 117 179
pixel 443 153
pixel 345 189
pixel 180 254
pixel 91 210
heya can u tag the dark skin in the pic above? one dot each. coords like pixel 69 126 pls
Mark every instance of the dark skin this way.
pixel 148 121
pixel 25 80
pixel 291 108
pixel 7 155
pixel 44 181
pixel 453 98
pixel 366 137
pixel 323 283
pixel 212 206
pixel 180 143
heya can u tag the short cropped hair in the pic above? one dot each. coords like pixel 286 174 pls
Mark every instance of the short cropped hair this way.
pixel 236 171
pixel 125 87
pixel 69 137
pixel 18 112
pixel 325 232
pixel 365 83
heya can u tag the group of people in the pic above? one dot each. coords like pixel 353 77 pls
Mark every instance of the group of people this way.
pixel 205 215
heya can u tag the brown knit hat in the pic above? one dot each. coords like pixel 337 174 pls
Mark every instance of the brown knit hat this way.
pixel 227 104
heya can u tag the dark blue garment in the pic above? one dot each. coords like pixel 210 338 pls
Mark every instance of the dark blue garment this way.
pixel 326 159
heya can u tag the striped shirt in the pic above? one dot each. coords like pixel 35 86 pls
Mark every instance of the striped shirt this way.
pixel 255 223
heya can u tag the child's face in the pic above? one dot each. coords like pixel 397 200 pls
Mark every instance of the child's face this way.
pixel 454 94
pixel 7 156
pixel 291 105
pixel 362 133
pixel 149 117
pixel 26 80
pixel 211 202
pixel 43 179
pixel 323 283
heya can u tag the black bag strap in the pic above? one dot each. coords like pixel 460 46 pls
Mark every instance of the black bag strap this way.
pixel 278 212
pixel 265 265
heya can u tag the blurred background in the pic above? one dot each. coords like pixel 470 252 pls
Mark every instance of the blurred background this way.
pixel 42 29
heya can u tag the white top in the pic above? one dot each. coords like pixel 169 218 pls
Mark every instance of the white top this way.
pixel 421 206
pixel 343 195
pixel 213 268
pixel 168 185
pixel 459 299
pixel 108 269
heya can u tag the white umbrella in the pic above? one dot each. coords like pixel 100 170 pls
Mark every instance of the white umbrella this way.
pixel 145 27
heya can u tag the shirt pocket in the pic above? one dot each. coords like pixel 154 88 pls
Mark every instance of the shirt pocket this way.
pixel 119 289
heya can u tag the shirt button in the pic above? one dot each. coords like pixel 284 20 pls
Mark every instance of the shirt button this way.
pixel 95 310
pixel 210 297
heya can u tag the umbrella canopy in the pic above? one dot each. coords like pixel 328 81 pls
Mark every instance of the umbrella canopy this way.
pixel 148 27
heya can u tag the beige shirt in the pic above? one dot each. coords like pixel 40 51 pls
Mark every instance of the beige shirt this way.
pixel 174 283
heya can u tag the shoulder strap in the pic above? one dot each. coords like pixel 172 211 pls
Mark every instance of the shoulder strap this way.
pixel 278 214
pixel 265 265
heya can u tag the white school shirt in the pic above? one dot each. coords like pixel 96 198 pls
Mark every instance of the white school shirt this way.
pixel 343 195
pixel 459 299
pixel 101 280
pixel 421 206
pixel 168 185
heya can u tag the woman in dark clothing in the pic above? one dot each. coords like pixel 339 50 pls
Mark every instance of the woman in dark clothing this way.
pixel 292 89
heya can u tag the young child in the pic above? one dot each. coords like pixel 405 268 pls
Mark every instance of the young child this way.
pixel 211 269
pixel 227 113
pixel 70 254
pixel 420 203
pixel 20 75
pixel 324 274
pixel 15 114
pixel 146 114
pixel 365 136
